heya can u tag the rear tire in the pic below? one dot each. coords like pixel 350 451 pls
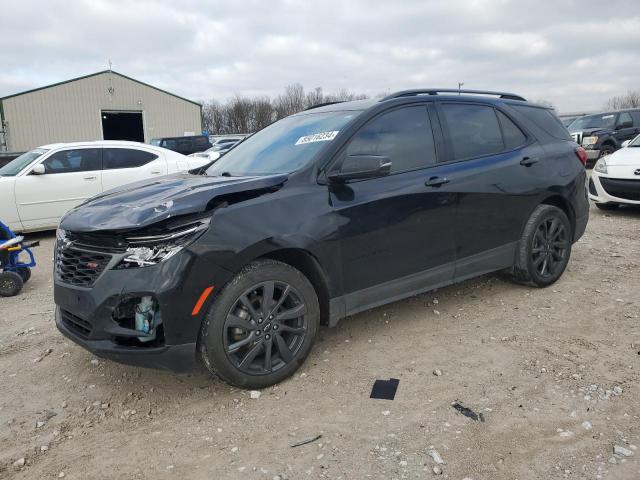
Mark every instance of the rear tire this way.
pixel 10 284
pixel 607 206
pixel 261 326
pixel 544 248
pixel 25 273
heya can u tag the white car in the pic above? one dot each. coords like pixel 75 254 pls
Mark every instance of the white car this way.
pixel 616 178
pixel 40 186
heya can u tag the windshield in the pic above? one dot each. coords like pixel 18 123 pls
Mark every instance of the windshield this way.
pixel 16 165
pixel 284 146
pixel 155 141
pixel 593 121
pixel 635 142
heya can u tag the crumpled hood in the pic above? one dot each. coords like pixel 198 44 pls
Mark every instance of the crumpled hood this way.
pixel 143 203
pixel 629 156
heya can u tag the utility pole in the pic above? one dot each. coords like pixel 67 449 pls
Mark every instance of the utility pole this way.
pixel 460 84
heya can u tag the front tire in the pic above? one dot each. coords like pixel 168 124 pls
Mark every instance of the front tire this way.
pixel 261 326
pixel 10 284
pixel 544 248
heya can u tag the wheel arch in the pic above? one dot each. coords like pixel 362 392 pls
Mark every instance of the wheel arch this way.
pixel 308 264
pixel 565 206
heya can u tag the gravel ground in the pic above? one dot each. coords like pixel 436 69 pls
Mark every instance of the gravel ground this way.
pixel 554 372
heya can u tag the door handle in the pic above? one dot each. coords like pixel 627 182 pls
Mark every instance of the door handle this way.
pixel 528 161
pixel 436 181
pixel 91 177
pixel 156 172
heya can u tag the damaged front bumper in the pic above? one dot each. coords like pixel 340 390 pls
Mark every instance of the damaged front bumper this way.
pixel 100 317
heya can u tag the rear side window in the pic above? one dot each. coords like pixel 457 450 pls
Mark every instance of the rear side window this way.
pixel 473 130
pixel 403 135
pixel 114 158
pixel 545 119
pixel 511 133
pixel 70 161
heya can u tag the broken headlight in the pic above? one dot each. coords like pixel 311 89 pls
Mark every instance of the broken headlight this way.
pixel 152 249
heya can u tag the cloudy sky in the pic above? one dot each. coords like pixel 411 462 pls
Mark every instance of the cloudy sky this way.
pixel 575 54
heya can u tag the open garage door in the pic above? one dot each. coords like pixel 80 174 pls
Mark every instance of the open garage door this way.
pixel 122 126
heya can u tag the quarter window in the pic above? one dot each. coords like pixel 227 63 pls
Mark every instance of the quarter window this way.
pixel 473 130
pixel 70 161
pixel 511 133
pixel 114 158
pixel 403 135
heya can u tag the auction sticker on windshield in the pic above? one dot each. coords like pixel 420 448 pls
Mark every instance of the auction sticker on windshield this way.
pixel 317 137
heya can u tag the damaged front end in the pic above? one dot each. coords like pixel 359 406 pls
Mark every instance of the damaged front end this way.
pixel 128 272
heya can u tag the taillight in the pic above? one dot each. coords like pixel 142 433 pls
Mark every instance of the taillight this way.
pixel 581 153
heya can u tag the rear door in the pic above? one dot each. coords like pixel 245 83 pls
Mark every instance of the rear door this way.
pixel 396 233
pixel 71 176
pixel 127 165
pixel 496 165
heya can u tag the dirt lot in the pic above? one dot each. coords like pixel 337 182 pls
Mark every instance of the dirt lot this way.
pixel 554 372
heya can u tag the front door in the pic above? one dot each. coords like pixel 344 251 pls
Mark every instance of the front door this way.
pixel 70 177
pixel 396 232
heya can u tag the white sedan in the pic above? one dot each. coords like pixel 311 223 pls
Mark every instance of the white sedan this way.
pixel 40 186
pixel 615 178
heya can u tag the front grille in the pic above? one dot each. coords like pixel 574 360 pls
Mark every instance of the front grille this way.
pixel 75 323
pixel 80 267
pixel 621 188
pixel 577 137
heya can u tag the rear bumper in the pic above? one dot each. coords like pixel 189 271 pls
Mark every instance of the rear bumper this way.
pixel 173 358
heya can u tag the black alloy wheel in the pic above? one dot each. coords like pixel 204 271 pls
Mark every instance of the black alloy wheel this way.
pixel 550 247
pixel 265 328
pixel 544 248
pixel 260 326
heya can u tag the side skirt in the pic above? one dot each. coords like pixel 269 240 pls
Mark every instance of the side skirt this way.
pixel 417 283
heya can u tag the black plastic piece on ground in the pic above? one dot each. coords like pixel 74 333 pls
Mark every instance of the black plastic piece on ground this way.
pixel 467 412
pixel 385 389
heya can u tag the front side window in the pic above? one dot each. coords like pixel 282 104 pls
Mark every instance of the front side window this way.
pixel 16 165
pixel 71 161
pixel 625 117
pixel 113 158
pixel 404 135
pixel 473 130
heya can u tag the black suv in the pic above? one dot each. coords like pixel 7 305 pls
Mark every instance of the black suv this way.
pixel 603 134
pixel 184 145
pixel 319 216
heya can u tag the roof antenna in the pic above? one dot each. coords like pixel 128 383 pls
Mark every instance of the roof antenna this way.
pixel 460 84
pixel 109 62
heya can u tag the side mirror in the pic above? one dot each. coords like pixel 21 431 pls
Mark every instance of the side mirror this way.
pixel 38 169
pixel 625 144
pixel 360 167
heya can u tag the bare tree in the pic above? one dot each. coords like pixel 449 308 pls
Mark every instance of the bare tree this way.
pixel 245 115
pixel 631 99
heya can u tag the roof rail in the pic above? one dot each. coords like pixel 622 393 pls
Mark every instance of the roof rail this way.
pixel 437 91
pixel 318 105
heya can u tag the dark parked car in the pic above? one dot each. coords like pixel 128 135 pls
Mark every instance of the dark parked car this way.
pixel 603 134
pixel 319 216
pixel 184 145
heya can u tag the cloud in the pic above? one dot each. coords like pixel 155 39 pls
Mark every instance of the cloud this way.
pixel 553 50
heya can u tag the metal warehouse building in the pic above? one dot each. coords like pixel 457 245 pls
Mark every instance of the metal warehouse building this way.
pixel 102 106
